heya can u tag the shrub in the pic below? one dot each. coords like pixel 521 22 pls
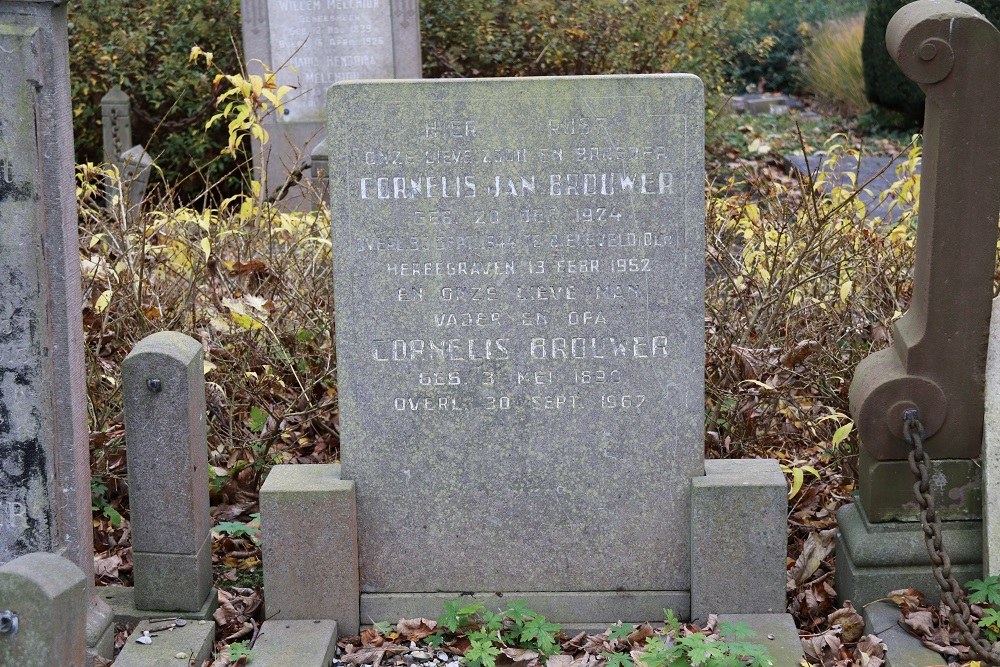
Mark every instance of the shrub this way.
pixel 801 283
pixel 885 83
pixel 487 38
pixel 769 42
pixel 143 47
pixel 833 70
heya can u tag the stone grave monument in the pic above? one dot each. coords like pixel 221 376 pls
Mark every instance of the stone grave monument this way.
pixel 313 45
pixel 44 455
pixel 935 369
pixel 519 273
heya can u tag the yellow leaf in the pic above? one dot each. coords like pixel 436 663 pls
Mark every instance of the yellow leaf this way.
pixel 841 433
pixel 206 247
pixel 103 301
pixel 797 478
pixel 245 321
pixel 209 367
pixel 845 289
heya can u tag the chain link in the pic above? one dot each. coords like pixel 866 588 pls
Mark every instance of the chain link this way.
pixel 960 616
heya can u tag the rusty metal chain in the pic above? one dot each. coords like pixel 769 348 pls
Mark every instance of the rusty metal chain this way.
pixel 960 616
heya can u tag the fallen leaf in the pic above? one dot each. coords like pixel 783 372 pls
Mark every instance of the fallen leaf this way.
pixel 850 621
pixel 526 655
pixel 415 629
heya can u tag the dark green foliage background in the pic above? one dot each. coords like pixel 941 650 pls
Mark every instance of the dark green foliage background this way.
pixel 767 42
pixel 885 84
pixel 487 38
pixel 143 47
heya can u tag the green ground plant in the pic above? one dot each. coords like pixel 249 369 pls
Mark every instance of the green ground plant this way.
pixel 524 635
pixel 986 593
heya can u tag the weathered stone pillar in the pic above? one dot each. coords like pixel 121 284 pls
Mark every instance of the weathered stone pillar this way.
pixel 46 596
pixel 936 365
pixel 137 165
pixel 163 381
pixel 116 116
pixel 45 470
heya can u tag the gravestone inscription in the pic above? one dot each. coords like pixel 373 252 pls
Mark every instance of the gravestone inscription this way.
pixel 312 44
pixel 321 43
pixel 519 269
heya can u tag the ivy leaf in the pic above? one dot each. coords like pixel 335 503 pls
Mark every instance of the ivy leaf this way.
pixel 619 660
pixel 620 631
pixel 736 630
pixel 482 653
pixel 987 591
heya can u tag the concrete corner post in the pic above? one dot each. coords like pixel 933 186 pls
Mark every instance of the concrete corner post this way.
pixel 47 595
pixel 937 363
pixel 164 386
pixel 45 482
pixel 137 165
pixel 116 117
pixel 308 516
pixel 738 538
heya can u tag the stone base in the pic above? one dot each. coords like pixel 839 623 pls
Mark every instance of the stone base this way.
pixel 903 649
pixel 308 515
pixel 876 558
pixel 122 601
pixel 173 581
pixel 592 609
pixel 100 629
pixel 957 486
pixel 190 645
pixel 739 538
pixel 299 643
pixel 775 632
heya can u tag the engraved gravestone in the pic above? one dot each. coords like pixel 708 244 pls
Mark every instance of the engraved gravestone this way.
pixel 313 44
pixel 519 270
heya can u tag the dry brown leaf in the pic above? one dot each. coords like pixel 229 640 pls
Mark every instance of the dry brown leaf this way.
pixel 364 656
pixel 585 660
pixel 921 621
pixel 521 654
pixel 817 547
pixel 372 637
pixel 560 660
pixel 107 567
pixel 907 599
pixel 823 647
pixel 851 624
pixel 641 634
pixel 415 629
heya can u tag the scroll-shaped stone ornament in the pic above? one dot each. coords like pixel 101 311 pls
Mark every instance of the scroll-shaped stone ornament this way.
pixel 938 357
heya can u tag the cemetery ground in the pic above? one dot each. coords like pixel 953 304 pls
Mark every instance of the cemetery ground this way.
pixel 803 282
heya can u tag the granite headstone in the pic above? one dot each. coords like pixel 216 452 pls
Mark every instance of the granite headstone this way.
pixel 519 269
pixel 312 44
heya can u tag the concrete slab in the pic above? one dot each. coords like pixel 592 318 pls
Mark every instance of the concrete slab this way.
pixel 775 632
pixel 122 601
pixel 597 609
pixel 299 643
pixel 188 645
pixel 903 649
